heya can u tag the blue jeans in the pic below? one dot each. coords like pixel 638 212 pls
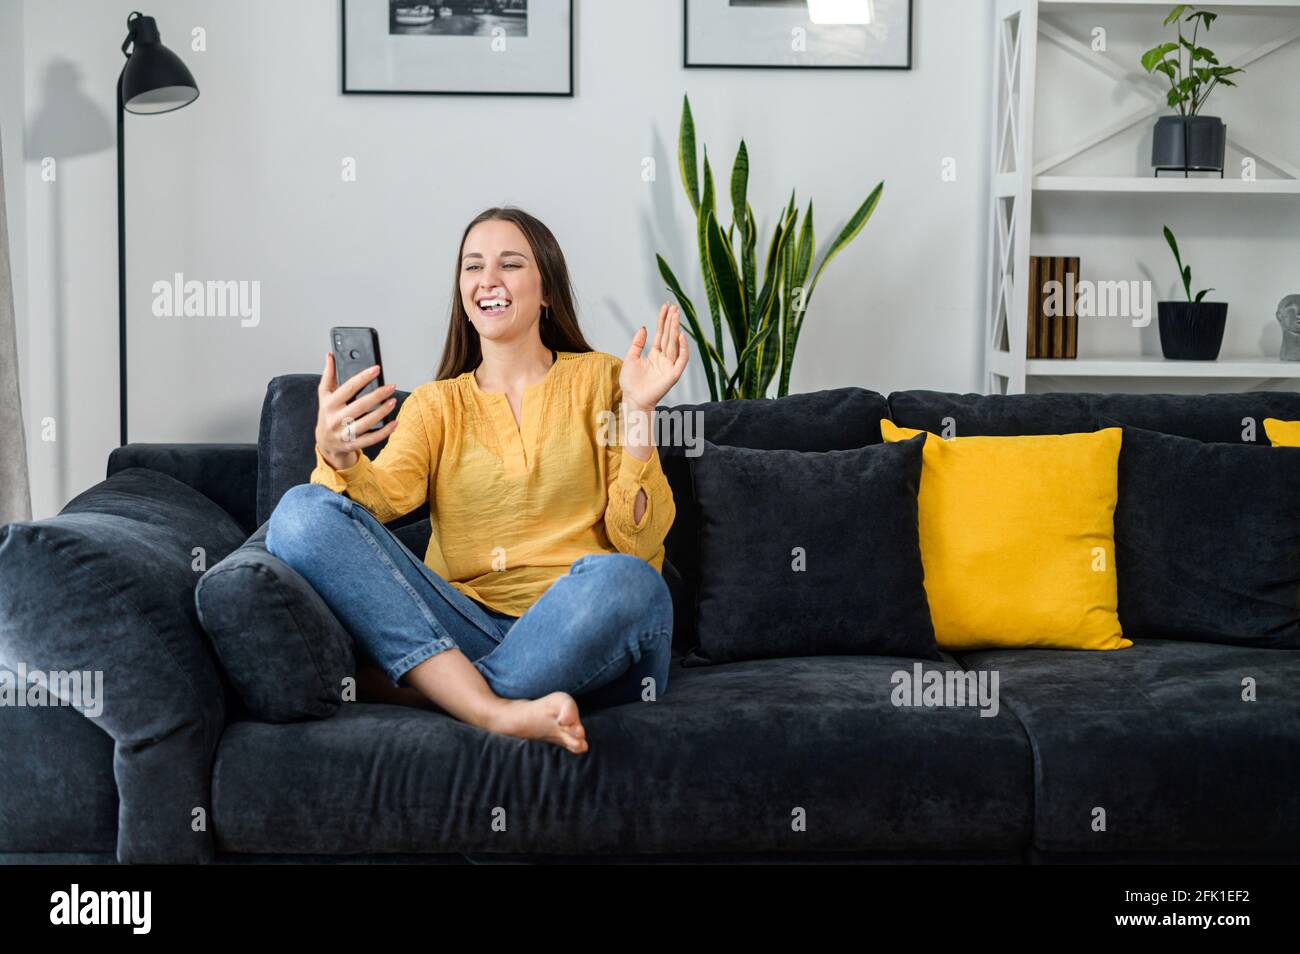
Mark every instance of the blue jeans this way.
pixel 597 632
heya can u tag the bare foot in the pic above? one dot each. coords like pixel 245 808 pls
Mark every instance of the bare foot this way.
pixel 552 718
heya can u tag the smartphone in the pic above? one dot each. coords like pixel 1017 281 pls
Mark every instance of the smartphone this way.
pixel 356 349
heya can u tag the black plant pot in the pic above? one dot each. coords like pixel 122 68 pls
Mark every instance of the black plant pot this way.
pixel 1201 139
pixel 1192 330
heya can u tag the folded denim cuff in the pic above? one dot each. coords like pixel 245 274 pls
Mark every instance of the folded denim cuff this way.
pixel 417 656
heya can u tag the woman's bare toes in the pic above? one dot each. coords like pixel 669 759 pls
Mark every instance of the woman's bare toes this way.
pixel 567 725
pixel 552 718
pixel 566 717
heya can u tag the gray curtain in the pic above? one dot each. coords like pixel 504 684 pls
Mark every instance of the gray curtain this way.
pixel 15 492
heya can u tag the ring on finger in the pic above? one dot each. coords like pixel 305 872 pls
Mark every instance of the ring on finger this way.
pixel 349 431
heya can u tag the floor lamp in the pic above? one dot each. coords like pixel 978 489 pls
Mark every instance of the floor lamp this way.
pixel 154 80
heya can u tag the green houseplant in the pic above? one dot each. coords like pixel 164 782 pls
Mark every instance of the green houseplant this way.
pixel 763 312
pixel 1191 329
pixel 1188 141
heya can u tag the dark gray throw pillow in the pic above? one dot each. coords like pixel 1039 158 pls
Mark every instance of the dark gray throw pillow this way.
pixel 833 419
pixel 1207 541
pixel 808 553
pixel 281 646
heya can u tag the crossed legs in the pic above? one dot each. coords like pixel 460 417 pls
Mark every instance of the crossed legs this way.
pixel 601 632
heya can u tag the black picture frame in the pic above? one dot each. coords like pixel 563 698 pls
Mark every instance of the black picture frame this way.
pixel 343 71
pixel 687 64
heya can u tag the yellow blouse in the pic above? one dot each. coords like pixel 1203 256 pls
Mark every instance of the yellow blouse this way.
pixel 513 506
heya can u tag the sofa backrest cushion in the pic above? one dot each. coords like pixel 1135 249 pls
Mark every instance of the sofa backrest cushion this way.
pixel 286 442
pixel 834 419
pixel 1226 418
pixel 107 587
pixel 1212 418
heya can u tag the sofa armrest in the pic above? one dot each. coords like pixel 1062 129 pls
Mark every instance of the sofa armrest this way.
pixel 57 791
pixel 105 591
pixel 224 473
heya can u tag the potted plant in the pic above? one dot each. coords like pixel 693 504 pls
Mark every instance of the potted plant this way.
pixel 1191 329
pixel 1188 141
pixel 763 310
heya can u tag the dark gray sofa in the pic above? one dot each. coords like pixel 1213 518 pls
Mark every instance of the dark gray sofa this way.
pixel 716 769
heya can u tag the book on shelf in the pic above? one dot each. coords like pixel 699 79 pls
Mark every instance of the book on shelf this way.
pixel 1053 326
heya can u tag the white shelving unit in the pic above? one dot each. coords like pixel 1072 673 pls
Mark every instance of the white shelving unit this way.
pixel 1242 368
pixel 1262 187
pixel 1019 175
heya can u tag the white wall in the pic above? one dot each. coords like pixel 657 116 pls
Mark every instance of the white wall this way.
pixel 245 185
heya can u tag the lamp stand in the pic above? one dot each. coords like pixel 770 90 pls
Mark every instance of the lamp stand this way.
pixel 121 259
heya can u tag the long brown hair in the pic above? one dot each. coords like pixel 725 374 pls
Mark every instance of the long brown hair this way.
pixel 462 350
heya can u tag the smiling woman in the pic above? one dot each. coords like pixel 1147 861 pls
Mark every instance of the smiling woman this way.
pixel 542 578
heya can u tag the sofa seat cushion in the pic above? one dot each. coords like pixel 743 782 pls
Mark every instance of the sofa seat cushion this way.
pixel 729 759
pixel 1159 736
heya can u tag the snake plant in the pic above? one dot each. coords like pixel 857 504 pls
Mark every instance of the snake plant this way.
pixel 763 321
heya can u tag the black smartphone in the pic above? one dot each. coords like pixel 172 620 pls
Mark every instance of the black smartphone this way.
pixel 356 349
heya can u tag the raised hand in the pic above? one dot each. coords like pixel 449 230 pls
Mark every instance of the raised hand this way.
pixel 339 444
pixel 645 379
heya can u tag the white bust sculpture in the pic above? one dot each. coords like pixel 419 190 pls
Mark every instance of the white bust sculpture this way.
pixel 1288 316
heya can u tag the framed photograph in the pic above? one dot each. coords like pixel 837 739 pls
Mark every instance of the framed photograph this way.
pixel 798 34
pixel 458 47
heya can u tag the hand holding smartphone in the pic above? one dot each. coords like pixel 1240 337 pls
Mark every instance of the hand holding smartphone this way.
pixel 352 415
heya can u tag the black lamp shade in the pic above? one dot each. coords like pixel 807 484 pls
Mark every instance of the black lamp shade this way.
pixel 154 79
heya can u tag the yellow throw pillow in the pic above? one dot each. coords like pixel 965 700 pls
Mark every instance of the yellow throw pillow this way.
pixel 1282 433
pixel 1018 539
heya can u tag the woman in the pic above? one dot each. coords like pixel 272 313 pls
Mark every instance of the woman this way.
pixel 542 579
